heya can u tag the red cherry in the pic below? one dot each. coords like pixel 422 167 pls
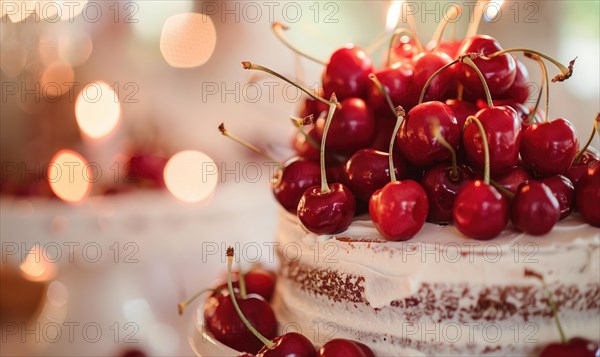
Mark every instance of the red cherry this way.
pixel 398 80
pixel 426 64
pixel 562 188
pixel 336 172
pixel 503 132
pixel 346 74
pixel 549 148
pixel 133 353
pixel 519 90
pixel 415 139
pixel 292 344
pixel 148 168
pixel 513 178
pixel 313 107
pixel 450 47
pixel 260 281
pixel 303 147
pixel 368 170
pixel 442 189
pixel 399 210
pixel 480 211
pixel 588 194
pixel 296 177
pixel 575 347
pixel 224 323
pixel 462 109
pixel 404 50
pixel 342 347
pixel 534 209
pixel 327 212
pixel 499 71
pixel 578 169
pixel 352 127
pixel 385 128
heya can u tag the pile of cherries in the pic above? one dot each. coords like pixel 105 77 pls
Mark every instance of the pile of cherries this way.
pixel 238 314
pixel 465 149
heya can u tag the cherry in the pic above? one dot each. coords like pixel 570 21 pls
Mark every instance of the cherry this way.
pixel 462 109
pixel 224 323
pixel 404 45
pixel 415 140
pixel 480 211
pixel 305 144
pixel 449 47
pixel 385 127
pixel 588 194
pixel 342 347
pixel 562 188
pixel 575 347
pixel 513 178
pixel 346 74
pixel 535 210
pixel 518 92
pixel 291 344
pixel 294 179
pixel 442 188
pixel 368 170
pixel 499 71
pixel 260 281
pixel 336 172
pixel 583 158
pixel 398 80
pixel 400 208
pixel 133 352
pixel 549 148
pixel 148 168
pixel 312 107
pixel 352 127
pixel 326 209
pixel 426 64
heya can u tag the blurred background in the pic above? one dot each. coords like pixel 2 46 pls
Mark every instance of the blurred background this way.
pixel 101 237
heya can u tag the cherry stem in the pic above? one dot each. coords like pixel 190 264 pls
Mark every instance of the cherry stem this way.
pixel 437 133
pixel 566 71
pixel 502 189
pixel 182 305
pixel 257 67
pixel 439 31
pixel 544 83
pixel 398 33
pixel 589 141
pixel 488 97
pixel 248 145
pixel 242 282
pixel 299 123
pixel 258 335
pixel 278 29
pixel 384 92
pixel 400 113
pixel 563 338
pixel 460 88
pixel 477 16
pixel 332 106
pixel 430 79
pixel 486 148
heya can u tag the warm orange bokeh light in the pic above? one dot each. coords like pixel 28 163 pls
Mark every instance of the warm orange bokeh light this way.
pixel 37 265
pixel 70 177
pixel 57 79
pixel 393 15
pixel 97 109
pixel 188 40
pixel 191 176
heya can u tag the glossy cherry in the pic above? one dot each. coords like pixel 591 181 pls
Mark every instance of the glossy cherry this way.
pixel 415 139
pixel 499 71
pixel 399 209
pixel 518 92
pixel 346 74
pixel 480 211
pixel 352 127
pixel 580 167
pixel 534 208
pixel 461 109
pixel 368 170
pixel 296 176
pixel 442 188
pixel 503 130
pixel 223 322
pixel 513 178
pixel 588 194
pixel 343 347
pixel 562 188
pixel 426 64
pixel 399 82
pixel 292 344
pixel 575 347
pixel 549 148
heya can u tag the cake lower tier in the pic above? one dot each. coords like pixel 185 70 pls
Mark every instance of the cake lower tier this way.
pixel 440 293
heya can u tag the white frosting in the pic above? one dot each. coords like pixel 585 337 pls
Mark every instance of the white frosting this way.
pixel 569 254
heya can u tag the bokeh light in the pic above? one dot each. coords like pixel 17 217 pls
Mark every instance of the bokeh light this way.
pixel 393 15
pixel 38 266
pixel 153 14
pixel 492 9
pixel 97 109
pixel 75 48
pixel 57 79
pixel 191 176
pixel 70 177
pixel 188 40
